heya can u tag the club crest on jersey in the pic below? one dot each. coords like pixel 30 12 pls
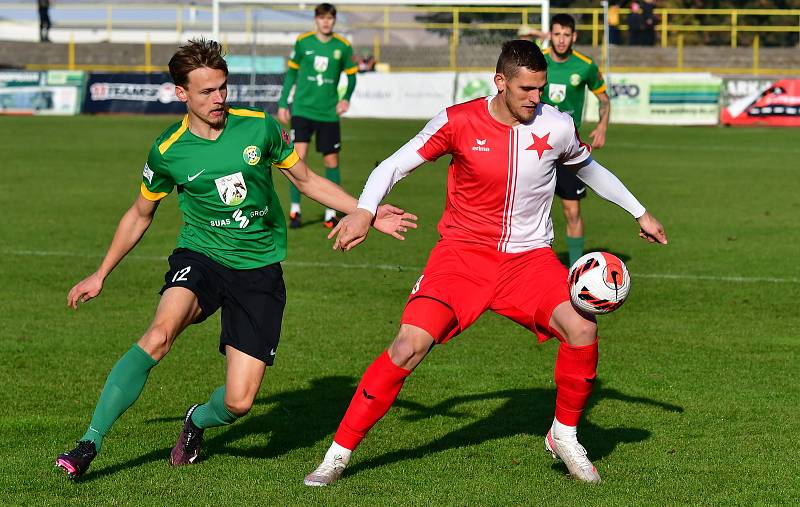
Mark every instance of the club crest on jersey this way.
pixel 320 63
pixel 557 92
pixel 575 79
pixel 480 145
pixel 232 189
pixel 337 54
pixel 251 155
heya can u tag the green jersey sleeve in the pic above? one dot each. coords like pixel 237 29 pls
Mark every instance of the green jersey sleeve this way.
pixel 296 56
pixel 278 147
pixel 595 80
pixel 348 65
pixel 157 183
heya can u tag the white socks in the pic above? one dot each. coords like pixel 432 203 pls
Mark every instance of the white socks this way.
pixel 295 207
pixel 337 452
pixel 330 214
pixel 564 432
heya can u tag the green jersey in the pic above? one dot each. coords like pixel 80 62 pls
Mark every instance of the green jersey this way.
pixel 566 82
pixel 316 67
pixel 230 211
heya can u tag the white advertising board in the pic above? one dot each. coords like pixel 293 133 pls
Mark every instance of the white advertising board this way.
pixel 45 100
pixel 661 99
pixel 401 95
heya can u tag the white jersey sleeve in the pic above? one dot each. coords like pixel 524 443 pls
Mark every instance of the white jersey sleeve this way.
pixel 576 151
pixel 431 143
pixel 610 188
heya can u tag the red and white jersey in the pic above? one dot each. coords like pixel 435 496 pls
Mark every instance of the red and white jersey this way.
pixel 501 179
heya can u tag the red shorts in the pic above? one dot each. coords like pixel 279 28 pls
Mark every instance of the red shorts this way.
pixel 470 279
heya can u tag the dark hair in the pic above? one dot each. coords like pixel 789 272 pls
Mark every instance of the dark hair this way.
pixel 520 53
pixel 195 54
pixel 323 9
pixel 564 20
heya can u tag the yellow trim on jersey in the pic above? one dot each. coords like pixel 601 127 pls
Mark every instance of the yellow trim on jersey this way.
pixel 163 147
pixel 600 90
pixel 582 56
pixel 246 112
pixel 152 196
pixel 341 39
pixel 293 65
pixel 351 70
pixel 545 51
pixel 289 161
pixel 305 35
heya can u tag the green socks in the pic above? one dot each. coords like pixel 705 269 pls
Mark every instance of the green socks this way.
pixel 123 386
pixel 333 174
pixel 294 194
pixel 575 248
pixel 213 412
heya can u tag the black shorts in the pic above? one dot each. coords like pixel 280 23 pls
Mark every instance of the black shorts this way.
pixel 328 134
pixel 568 185
pixel 252 300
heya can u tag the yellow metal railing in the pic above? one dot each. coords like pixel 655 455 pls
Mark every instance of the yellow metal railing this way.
pixel 675 27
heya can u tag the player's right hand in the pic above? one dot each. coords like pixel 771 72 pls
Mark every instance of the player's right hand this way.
pixel 86 289
pixel 651 229
pixel 351 230
pixel 284 115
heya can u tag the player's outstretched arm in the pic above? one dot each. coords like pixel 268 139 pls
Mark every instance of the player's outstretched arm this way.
pixel 651 229
pixel 610 188
pixel 320 189
pixel 353 228
pixel 388 219
pixel 130 230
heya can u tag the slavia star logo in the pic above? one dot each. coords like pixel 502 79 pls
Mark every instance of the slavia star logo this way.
pixel 540 144
pixel 251 155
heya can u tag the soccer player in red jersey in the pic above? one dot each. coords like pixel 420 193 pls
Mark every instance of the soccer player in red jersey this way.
pixel 495 248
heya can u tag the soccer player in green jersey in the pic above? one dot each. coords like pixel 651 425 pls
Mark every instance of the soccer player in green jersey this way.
pixel 317 61
pixel 220 159
pixel 569 72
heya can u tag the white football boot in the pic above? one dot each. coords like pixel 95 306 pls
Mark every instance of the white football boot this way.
pixel 327 472
pixel 573 455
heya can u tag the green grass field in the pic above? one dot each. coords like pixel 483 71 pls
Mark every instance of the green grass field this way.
pixel 697 402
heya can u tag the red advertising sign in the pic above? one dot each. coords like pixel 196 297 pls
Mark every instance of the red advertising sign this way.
pixel 778 104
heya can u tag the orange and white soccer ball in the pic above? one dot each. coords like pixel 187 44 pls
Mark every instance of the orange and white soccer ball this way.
pixel 598 283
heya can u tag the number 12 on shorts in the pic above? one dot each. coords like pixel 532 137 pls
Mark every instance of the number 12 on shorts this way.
pixel 180 276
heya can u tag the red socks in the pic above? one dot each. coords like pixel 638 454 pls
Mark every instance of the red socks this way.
pixel 576 370
pixel 374 395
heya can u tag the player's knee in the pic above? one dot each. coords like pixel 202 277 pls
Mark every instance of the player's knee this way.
pixel 239 406
pixel 409 348
pixel 156 341
pixel 573 216
pixel 581 332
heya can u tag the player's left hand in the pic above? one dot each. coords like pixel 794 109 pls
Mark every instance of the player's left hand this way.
pixel 651 229
pixel 342 107
pixel 598 136
pixel 392 220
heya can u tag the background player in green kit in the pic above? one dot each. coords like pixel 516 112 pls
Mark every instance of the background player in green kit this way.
pixel 317 61
pixel 228 255
pixel 569 72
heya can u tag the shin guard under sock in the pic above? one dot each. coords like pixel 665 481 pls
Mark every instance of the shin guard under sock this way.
pixel 123 386
pixel 374 395
pixel 576 370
